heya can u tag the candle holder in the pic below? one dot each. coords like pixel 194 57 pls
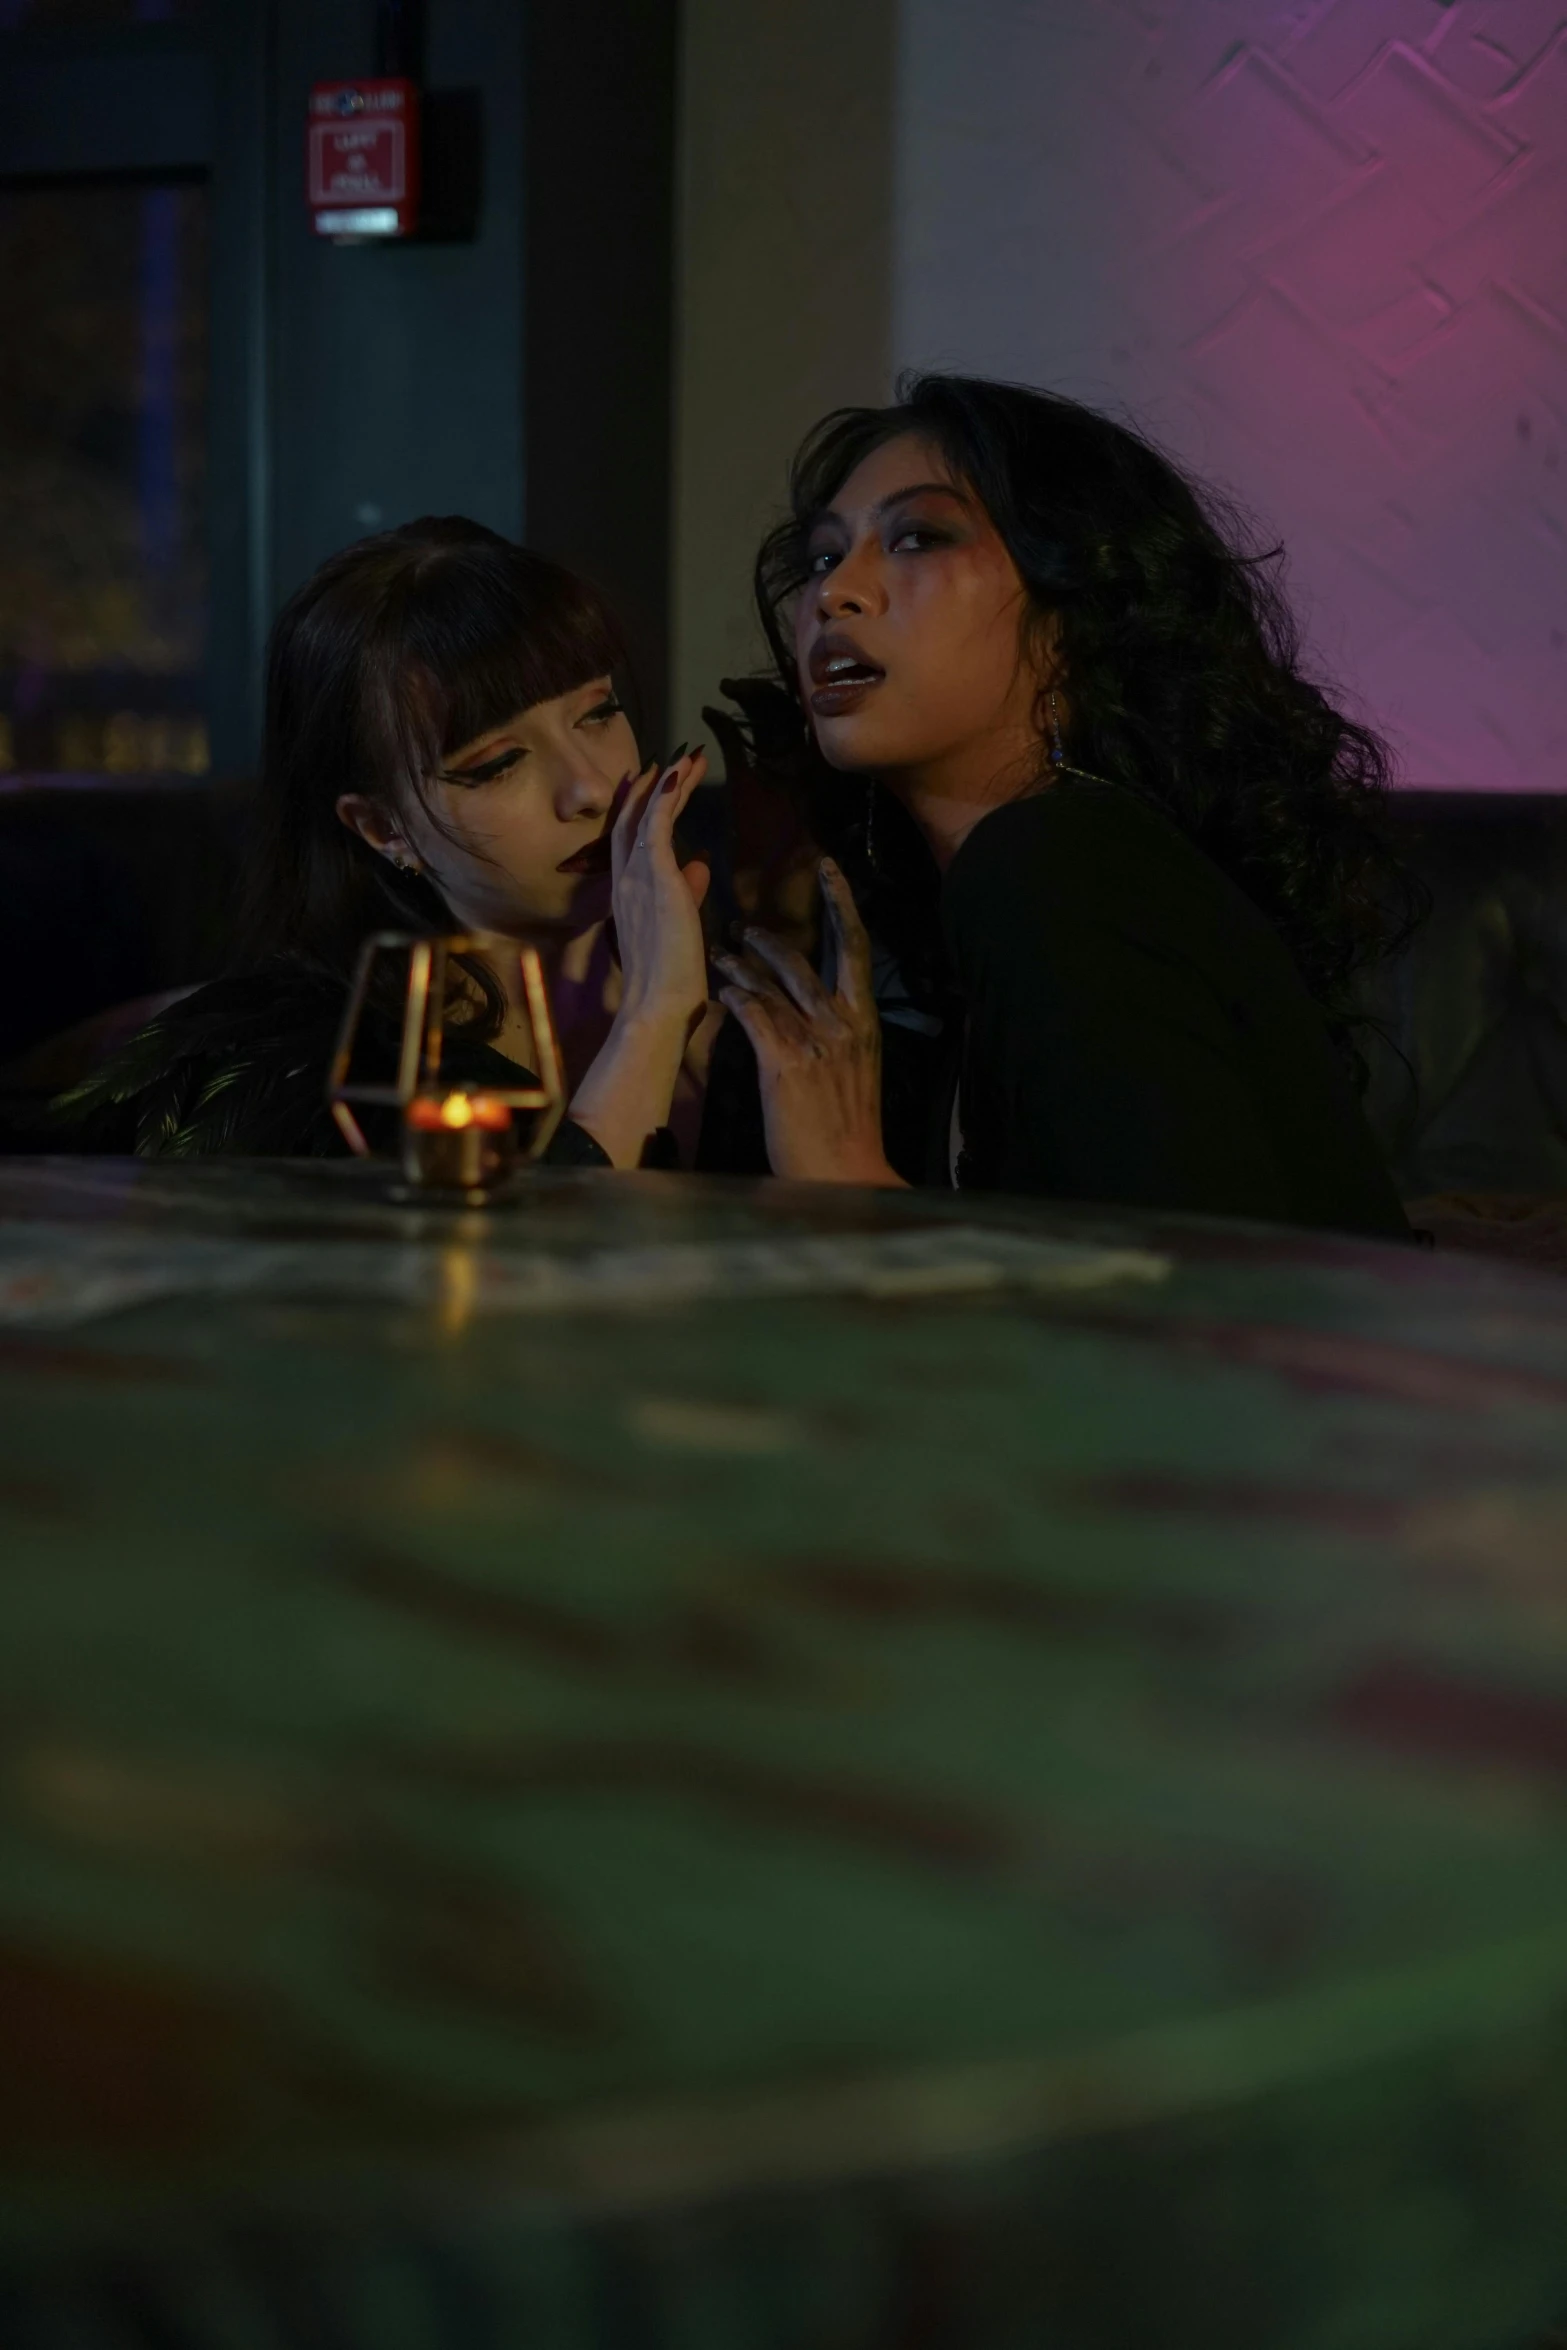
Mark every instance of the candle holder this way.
pixel 454 1139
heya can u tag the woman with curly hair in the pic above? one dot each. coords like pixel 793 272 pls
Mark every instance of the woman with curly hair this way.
pixel 1054 714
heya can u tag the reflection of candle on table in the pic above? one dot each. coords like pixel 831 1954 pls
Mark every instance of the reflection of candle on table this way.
pixel 458 1141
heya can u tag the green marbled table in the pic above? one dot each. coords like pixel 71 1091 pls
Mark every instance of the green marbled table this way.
pixel 681 1766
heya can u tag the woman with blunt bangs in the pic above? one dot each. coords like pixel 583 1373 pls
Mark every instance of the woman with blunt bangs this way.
pixel 445 749
pixel 1052 716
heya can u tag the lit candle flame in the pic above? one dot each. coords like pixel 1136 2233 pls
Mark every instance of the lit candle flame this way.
pixel 453 1111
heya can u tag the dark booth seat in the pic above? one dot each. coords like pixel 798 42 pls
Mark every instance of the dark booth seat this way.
pixel 114 891
pixel 1469 1080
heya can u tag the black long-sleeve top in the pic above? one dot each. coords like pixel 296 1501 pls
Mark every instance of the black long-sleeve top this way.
pixel 1135 1030
pixel 241 1065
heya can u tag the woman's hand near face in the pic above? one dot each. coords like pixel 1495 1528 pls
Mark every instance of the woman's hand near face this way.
pixel 657 902
pixel 627 1093
pixel 818 1047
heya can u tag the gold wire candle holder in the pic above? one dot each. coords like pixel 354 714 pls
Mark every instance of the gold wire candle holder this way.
pixel 455 1139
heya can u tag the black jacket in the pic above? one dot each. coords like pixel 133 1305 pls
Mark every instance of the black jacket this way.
pixel 242 1066
pixel 1136 1031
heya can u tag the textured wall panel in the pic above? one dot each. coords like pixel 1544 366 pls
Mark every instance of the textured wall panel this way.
pixel 1321 251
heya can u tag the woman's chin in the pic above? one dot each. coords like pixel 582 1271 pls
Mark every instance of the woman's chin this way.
pixel 850 746
pixel 589 901
pixel 569 903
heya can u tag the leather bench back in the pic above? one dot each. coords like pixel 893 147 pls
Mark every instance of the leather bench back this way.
pixel 1469 1079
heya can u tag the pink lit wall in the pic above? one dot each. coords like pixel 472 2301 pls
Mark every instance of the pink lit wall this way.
pixel 1321 251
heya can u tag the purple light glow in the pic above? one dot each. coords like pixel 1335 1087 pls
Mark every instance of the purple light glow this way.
pixel 1322 252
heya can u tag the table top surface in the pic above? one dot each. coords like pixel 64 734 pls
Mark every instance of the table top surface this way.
pixel 666 1687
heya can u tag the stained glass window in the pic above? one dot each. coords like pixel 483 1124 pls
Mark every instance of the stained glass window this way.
pixel 103 580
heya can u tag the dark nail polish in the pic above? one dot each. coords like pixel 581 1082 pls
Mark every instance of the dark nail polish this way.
pixel 675 757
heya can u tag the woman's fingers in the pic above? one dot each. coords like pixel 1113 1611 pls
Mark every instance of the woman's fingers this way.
pixel 756 985
pixel 632 796
pixel 759 1021
pixel 666 801
pixel 791 969
pixel 630 801
pixel 854 985
pixel 744 1009
pixel 647 804
pixel 753 979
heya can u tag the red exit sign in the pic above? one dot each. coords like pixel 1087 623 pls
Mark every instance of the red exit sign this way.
pixel 363 158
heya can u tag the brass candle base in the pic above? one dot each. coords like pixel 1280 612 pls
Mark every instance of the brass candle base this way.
pixel 460 1142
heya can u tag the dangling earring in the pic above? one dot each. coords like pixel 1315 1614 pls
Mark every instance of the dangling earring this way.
pixel 1058 758
pixel 870 828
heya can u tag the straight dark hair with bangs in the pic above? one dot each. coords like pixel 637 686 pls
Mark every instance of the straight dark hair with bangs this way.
pixel 392 655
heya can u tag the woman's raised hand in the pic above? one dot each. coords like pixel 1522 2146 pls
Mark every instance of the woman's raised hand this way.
pixel 818 1046
pixel 657 902
pixel 663 961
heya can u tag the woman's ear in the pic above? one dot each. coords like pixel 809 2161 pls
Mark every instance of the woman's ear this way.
pixel 378 829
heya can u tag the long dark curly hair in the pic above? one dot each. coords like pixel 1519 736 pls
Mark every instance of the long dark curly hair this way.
pixel 1180 657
